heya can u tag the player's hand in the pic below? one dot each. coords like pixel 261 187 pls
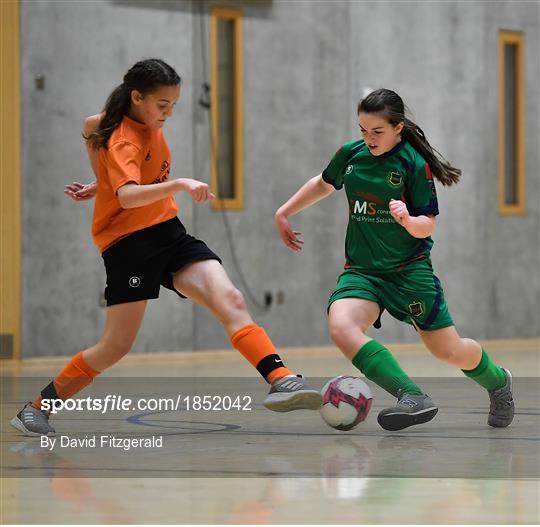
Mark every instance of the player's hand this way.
pixel 79 192
pixel 289 237
pixel 199 191
pixel 399 211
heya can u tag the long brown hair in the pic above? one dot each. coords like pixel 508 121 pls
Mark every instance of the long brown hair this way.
pixel 390 105
pixel 145 76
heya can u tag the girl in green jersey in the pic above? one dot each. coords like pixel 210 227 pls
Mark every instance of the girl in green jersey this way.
pixel 388 180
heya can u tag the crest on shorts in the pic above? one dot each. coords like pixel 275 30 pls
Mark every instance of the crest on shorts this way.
pixel 416 309
pixel 134 281
pixel 395 179
pixel 348 170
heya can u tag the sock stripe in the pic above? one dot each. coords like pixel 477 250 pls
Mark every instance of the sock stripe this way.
pixel 49 392
pixel 268 364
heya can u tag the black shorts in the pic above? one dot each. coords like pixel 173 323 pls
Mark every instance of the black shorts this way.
pixel 140 263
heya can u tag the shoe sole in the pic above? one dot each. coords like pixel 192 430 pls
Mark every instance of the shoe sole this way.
pixel 17 423
pixel 399 421
pixel 286 402
pixel 503 424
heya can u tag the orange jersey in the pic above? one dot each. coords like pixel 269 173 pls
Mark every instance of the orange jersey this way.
pixel 139 154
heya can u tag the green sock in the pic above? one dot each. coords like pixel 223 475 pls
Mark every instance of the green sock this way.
pixel 487 373
pixel 380 366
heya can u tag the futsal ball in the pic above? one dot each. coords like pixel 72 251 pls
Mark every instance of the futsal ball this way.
pixel 346 402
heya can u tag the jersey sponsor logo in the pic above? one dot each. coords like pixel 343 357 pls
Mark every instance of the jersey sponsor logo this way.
pixel 369 212
pixel 164 175
pixel 134 281
pixel 416 309
pixel 395 179
pixel 365 207
pixel 348 170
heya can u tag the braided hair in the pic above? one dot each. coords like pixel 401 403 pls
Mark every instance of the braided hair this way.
pixel 391 106
pixel 145 76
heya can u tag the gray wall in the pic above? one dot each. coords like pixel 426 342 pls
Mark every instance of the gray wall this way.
pixel 306 65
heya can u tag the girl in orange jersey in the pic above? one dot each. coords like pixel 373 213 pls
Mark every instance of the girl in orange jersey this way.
pixel 144 246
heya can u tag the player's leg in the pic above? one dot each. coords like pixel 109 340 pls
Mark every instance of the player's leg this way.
pixel 446 345
pixel 349 319
pixel 468 355
pixel 121 327
pixel 207 283
pixel 353 307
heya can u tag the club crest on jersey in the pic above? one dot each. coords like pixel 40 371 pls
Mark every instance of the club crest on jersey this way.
pixel 395 179
pixel 348 170
pixel 416 309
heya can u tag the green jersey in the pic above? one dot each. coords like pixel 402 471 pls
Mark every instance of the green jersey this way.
pixel 374 241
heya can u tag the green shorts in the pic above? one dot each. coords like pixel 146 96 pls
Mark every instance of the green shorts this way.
pixel 414 295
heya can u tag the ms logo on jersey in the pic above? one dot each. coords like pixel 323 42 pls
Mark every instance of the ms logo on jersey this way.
pixel 416 309
pixel 348 170
pixel 395 179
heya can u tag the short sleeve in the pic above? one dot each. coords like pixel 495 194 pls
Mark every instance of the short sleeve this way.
pixel 123 164
pixel 422 195
pixel 333 173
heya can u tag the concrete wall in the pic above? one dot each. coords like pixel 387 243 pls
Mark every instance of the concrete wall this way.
pixel 306 66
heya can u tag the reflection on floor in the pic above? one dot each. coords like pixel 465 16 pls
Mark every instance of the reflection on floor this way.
pixel 256 466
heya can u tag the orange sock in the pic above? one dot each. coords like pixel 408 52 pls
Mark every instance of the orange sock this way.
pixel 255 345
pixel 72 379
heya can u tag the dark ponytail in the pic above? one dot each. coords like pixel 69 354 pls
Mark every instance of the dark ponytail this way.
pixel 391 106
pixel 145 76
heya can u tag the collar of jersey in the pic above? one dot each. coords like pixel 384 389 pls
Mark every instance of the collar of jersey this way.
pixel 136 124
pixel 394 150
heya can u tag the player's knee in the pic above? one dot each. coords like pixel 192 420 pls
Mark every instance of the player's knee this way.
pixel 236 299
pixel 339 333
pixel 444 353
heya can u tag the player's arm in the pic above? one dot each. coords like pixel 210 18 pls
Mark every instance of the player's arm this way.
pixel 132 195
pixel 80 191
pixel 310 193
pixel 418 215
pixel 418 226
pixel 90 125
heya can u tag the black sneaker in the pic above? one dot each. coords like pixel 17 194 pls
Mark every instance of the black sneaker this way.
pixel 292 393
pixel 32 422
pixel 409 410
pixel 501 409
